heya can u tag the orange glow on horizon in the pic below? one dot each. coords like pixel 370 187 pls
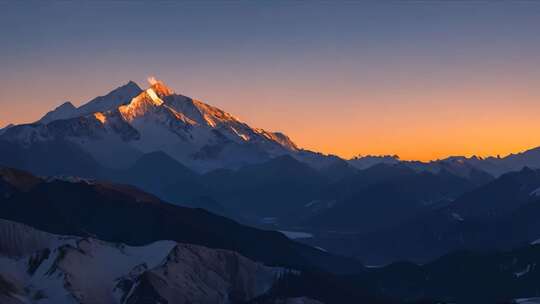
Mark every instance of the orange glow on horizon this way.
pixel 420 79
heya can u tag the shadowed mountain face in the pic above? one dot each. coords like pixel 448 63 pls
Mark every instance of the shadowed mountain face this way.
pixel 55 157
pixel 502 214
pixel 462 277
pixel 381 197
pixel 282 187
pixel 272 188
pixel 160 174
pixel 465 277
pixel 125 214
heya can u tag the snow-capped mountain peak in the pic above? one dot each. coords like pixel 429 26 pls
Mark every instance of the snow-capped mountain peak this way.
pixel 117 128
pixel 63 111
pixel 140 105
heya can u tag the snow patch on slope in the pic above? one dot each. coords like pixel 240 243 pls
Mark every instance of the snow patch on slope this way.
pixel 527 301
pixel 293 235
pixel 457 217
pixel 523 272
pixel 52 269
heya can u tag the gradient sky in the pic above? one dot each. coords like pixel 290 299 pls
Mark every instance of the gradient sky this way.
pixel 423 79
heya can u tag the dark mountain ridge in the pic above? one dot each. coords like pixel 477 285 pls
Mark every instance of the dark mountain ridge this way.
pixel 384 196
pixel 123 214
pixel 500 215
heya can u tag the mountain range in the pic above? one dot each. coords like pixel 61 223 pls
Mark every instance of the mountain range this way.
pixel 461 165
pixel 499 215
pixel 186 199
pixel 116 129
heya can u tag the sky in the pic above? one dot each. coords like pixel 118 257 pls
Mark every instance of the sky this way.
pixel 420 79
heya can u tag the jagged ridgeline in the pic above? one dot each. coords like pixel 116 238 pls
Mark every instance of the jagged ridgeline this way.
pixel 116 129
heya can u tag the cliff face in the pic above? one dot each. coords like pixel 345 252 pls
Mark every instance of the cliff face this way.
pixel 194 274
pixel 47 268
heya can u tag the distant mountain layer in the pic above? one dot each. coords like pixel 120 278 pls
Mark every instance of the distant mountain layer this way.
pixel 460 165
pixel 272 188
pixel 384 196
pixel 499 215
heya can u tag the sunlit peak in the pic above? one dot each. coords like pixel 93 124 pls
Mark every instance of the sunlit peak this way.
pixel 159 87
pixel 154 97
pixel 152 80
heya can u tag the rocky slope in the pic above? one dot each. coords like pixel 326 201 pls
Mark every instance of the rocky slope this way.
pixel 38 267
